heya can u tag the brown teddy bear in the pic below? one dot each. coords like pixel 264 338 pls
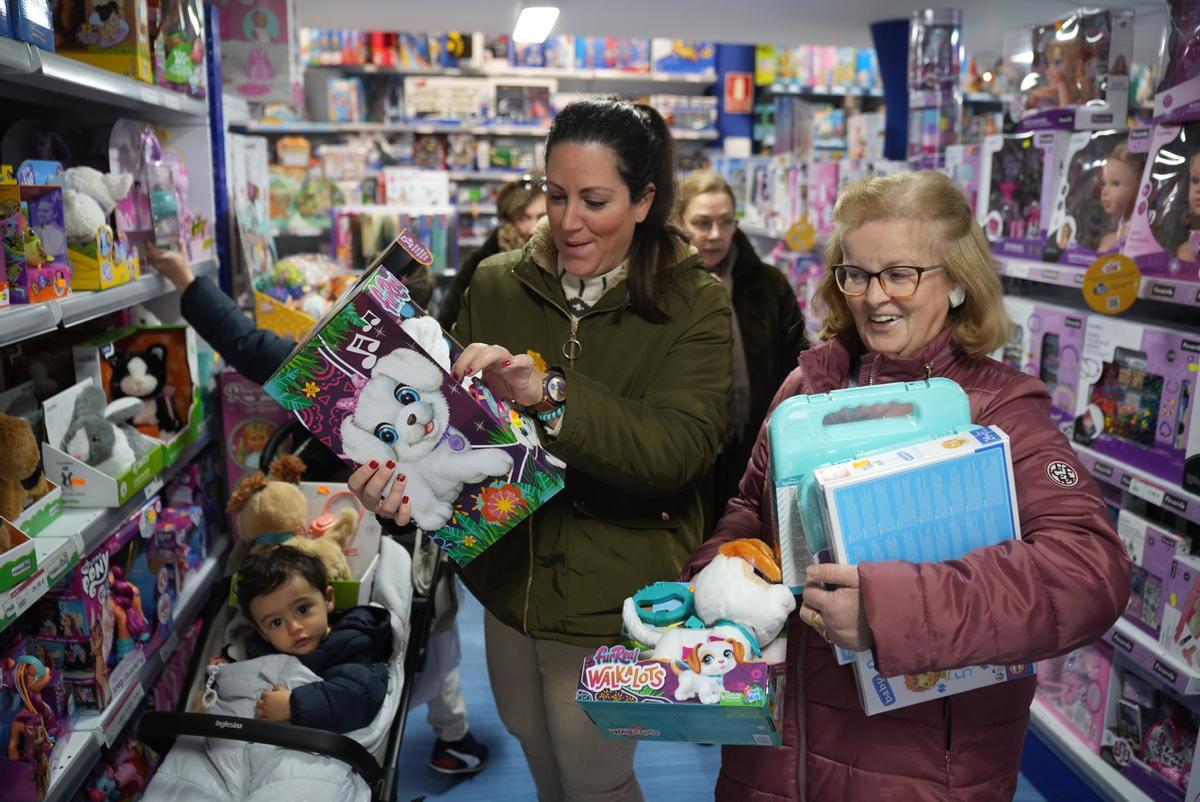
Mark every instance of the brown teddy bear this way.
pixel 21 478
pixel 272 509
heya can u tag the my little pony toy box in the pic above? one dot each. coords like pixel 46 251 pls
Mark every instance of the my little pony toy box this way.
pixel 372 381
pixel 628 697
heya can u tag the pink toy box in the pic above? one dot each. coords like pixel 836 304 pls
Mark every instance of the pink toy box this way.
pixel 1179 634
pixel 1080 72
pixel 1178 98
pixel 250 416
pixel 822 195
pixel 1047 342
pixel 1164 235
pixel 36 270
pixel 35 711
pixel 1136 394
pixel 962 164
pixel 1017 183
pixel 260 60
pixel 1074 688
pixel 1152 550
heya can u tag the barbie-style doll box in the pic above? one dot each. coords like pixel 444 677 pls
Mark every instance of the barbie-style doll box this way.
pixel 1017 183
pixel 1164 233
pixel 1046 342
pixel 657 700
pixel 1135 401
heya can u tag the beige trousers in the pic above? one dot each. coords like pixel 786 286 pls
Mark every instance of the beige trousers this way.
pixel 534 683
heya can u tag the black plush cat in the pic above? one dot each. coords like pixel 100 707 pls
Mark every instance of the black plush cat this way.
pixel 143 374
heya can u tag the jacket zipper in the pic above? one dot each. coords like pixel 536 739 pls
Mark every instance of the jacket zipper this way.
pixel 949 738
pixel 801 718
pixel 528 583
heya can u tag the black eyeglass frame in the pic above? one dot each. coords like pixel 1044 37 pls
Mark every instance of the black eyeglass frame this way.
pixel 839 278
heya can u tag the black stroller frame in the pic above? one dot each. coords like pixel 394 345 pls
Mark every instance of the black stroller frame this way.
pixel 159 729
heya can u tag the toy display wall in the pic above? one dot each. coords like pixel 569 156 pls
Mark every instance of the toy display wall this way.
pixel 106 568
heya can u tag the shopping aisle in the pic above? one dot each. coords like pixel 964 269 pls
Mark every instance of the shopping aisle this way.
pixel 667 771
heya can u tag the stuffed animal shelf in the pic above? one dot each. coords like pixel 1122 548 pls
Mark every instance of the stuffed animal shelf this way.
pixel 21 479
pixel 731 601
pixel 143 375
pixel 272 509
pixel 100 434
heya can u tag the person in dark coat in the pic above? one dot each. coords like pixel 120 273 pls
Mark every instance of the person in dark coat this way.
pixel 519 206
pixel 768 331
pixel 287 596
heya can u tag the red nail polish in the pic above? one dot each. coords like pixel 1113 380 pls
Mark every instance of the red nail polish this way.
pixel 404 500
pixel 507 362
pixel 374 464
pixel 401 477
pixel 391 464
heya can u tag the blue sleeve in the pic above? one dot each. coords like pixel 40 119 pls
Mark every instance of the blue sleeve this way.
pixel 349 698
pixel 255 353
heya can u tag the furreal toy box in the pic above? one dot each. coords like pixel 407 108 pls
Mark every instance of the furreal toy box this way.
pixel 372 381
pixel 632 698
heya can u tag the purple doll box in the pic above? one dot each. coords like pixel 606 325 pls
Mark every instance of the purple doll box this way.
pixel 1047 342
pixel 1180 632
pixel 372 382
pixel 1164 235
pixel 1136 397
pixel 1152 551
pixel 1017 182
pixel 1178 98
pixel 1095 197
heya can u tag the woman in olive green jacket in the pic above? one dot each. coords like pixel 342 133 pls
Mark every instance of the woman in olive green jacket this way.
pixel 609 328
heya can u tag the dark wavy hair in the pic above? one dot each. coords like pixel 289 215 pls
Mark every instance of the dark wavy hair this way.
pixel 641 141
pixel 266 570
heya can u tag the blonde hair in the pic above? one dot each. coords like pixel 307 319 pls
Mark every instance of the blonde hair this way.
pixel 701 182
pixel 932 199
pixel 515 196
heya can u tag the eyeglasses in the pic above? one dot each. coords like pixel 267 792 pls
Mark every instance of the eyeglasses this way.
pixel 899 282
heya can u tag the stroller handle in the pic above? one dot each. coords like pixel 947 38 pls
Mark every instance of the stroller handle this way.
pixel 158 729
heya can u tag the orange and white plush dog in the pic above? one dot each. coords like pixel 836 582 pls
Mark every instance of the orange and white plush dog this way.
pixel 702 674
pixel 733 601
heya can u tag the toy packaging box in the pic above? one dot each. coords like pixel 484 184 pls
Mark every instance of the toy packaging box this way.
pixel 249 417
pixel 260 59
pixel 372 382
pixel 523 102
pixel 35 270
pixel 1080 72
pixel 612 53
pixel 557 52
pixel 822 196
pixel 20 401
pixel 1047 342
pixel 1179 633
pixel 20 561
pixel 1178 96
pixel 158 365
pixel 447 99
pixel 1017 183
pixel 1094 202
pixel 82 484
pixel 31 22
pixel 880 694
pixel 628 697
pixel 112 35
pixel 963 164
pixel 1074 688
pixel 1136 395
pixel 36 714
pixel 1153 551
pixel 683 57
pixel 1164 234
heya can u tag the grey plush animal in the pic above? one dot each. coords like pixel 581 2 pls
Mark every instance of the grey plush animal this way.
pixel 100 434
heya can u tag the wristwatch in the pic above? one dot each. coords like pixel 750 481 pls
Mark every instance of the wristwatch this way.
pixel 554 393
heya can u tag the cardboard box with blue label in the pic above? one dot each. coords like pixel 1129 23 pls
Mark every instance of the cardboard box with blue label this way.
pixel 655 700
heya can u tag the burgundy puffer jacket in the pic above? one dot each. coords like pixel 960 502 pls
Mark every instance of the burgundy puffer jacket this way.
pixel 1060 586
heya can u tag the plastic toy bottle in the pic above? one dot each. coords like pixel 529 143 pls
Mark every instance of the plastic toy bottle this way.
pixel 179 48
pixel 164 207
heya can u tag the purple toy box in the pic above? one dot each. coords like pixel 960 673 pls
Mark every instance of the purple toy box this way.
pixel 1178 98
pixel 250 416
pixel 1164 236
pixel 1017 182
pixel 372 381
pixel 1047 342
pixel 1152 550
pixel 1136 392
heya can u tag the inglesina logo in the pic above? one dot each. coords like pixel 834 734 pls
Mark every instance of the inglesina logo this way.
pixel 222 724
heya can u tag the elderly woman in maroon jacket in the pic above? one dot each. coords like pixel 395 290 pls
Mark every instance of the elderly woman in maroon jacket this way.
pixel 913 294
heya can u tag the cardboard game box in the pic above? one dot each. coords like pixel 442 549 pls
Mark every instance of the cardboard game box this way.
pixel 372 382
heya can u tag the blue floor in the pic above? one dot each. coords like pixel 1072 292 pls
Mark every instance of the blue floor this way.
pixel 666 771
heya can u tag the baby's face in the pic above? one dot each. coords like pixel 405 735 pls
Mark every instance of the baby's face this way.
pixel 294 617
pixel 1119 190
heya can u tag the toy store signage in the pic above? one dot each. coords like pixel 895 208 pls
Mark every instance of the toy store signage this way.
pixel 616 668
pixel 739 93
pixel 1169 674
pixel 1120 640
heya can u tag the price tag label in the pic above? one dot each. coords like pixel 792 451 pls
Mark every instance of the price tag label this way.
pixel 126 672
pixel 1111 284
pixel 22 597
pixel 120 717
pixel 1016 269
pixel 1146 491
pixel 156 484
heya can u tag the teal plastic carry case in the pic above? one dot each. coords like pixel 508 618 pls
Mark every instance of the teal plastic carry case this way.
pixel 809 431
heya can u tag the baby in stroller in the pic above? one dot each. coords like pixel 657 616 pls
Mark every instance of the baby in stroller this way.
pixel 286 595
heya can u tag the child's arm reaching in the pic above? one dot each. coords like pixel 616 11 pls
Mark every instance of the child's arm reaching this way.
pixel 349 698
pixel 275 704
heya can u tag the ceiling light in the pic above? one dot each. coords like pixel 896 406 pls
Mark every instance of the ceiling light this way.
pixel 534 24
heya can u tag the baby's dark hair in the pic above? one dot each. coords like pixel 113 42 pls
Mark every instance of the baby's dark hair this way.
pixel 266 570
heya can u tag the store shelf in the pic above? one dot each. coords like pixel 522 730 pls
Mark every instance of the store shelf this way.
pixel 687 135
pixel 1175 291
pixel 496 129
pixel 78 753
pixel 300 231
pixel 1103 778
pixel 762 231
pixel 94 524
pixel 56 556
pixel 783 88
pixel 1140 648
pixel 41 73
pixel 983 99
pixel 502 176
pixel 508 71
pixel 1139 483
pixel 20 322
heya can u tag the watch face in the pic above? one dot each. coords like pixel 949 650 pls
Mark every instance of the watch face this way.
pixel 556 389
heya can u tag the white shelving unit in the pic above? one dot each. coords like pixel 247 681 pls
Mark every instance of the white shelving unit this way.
pixel 1156 288
pixel 1102 778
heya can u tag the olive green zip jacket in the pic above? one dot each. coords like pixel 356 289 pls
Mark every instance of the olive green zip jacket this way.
pixel 646 408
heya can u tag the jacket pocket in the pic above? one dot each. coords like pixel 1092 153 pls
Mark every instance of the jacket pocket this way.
pixel 607 505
